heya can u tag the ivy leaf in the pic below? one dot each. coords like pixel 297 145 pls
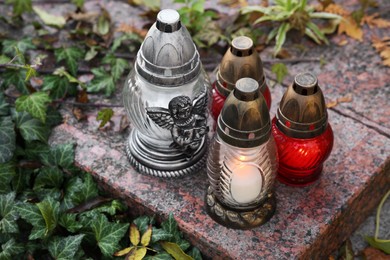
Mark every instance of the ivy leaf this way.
pixel 8 214
pixel 12 77
pixel 175 251
pixel 78 3
pixel 138 253
pixel 160 256
pixel 31 128
pixel 88 190
pixel 32 215
pixel 4 106
pixel 49 177
pixel 102 82
pixel 7 139
pixel 7 172
pixel 105 115
pixel 183 244
pixel 160 234
pixel 58 86
pixel 124 251
pixel 10 47
pixel 147 236
pixel 50 210
pixel 142 223
pixel 10 249
pixel 280 71
pixel 69 222
pixel 49 19
pixel 64 248
pixel 134 235
pixel 53 117
pixel 118 65
pixel 71 56
pixel 35 104
pixel 170 226
pixel 195 253
pixel 60 155
pixel 108 234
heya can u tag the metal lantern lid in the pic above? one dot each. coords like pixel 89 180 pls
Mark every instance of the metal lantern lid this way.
pixel 168 55
pixel 241 60
pixel 302 111
pixel 244 120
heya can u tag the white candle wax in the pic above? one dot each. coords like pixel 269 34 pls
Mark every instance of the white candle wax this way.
pixel 246 183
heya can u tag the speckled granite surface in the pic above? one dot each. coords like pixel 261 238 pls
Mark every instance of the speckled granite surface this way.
pixel 309 222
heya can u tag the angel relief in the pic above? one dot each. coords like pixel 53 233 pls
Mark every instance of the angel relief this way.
pixel 185 119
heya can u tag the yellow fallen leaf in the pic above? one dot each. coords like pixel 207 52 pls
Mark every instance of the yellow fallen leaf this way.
pixel 382 46
pixel 49 19
pixel 375 21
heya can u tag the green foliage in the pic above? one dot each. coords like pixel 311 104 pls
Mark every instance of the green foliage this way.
pixel 58 86
pixel 280 71
pixel 71 56
pixel 49 19
pixel 104 115
pixel 20 6
pixel 7 139
pixel 23 45
pixel 78 3
pixel 65 248
pixel 199 22
pixel 375 241
pixel 31 129
pixel 102 81
pixel 291 14
pixel 35 104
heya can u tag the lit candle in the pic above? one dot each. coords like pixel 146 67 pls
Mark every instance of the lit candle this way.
pixel 246 183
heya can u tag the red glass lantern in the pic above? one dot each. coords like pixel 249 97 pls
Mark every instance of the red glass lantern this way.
pixel 302 133
pixel 240 61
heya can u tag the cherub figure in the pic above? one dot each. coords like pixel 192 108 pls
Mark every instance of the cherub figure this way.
pixel 185 119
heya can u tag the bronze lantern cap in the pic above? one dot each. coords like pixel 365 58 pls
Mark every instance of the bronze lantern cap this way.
pixel 302 110
pixel 240 60
pixel 244 120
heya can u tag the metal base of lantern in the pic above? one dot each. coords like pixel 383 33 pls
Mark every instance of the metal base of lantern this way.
pixel 163 161
pixel 239 219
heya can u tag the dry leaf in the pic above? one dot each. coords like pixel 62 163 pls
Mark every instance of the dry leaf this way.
pixel 383 47
pixel 78 113
pixel 126 28
pixel 124 123
pixel 347 25
pixel 85 17
pixel 233 3
pixel 375 21
pixel 344 99
pixel 82 96
pixel 343 42
pixel 371 253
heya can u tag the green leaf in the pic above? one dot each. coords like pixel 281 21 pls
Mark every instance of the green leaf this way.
pixel 160 234
pixel 281 36
pixel 11 249
pixel 134 235
pixel 118 65
pixel 32 215
pixel 35 104
pixel 58 86
pixel 108 234
pixel 384 246
pixel 78 3
pixel 12 77
pixel 142 223
pixel 70 222
pixel 170 226
pixel 4 59
pixel 8 214
pixel 195 253
pixel 49 19
pixel 317 32
pixel 105 115
pixel 53 117
pixel 71 56
pixel 64 248
pixel 102 27
pixel 91 53
pixel 21 180
pixel 31 72
pixel 88 190
pixel 50 210
pixel 175 251
pixel 10 46
pixel 7 172
pixel 49 177
pixel 102 82
pixel 31 128
pixel 183 244
pixel 63 73
pixel 160 256
pixel 60 155
pixel 4 106
pixel 7 139
pixel 280 71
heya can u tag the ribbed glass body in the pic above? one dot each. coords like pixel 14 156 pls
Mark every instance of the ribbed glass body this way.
pixel 138 94
pixel 241 177
pixel 219 99
pixel 301 160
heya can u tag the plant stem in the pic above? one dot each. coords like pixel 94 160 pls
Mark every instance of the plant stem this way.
pixel 378 214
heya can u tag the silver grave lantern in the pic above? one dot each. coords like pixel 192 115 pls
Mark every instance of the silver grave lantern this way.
pixel 167 97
